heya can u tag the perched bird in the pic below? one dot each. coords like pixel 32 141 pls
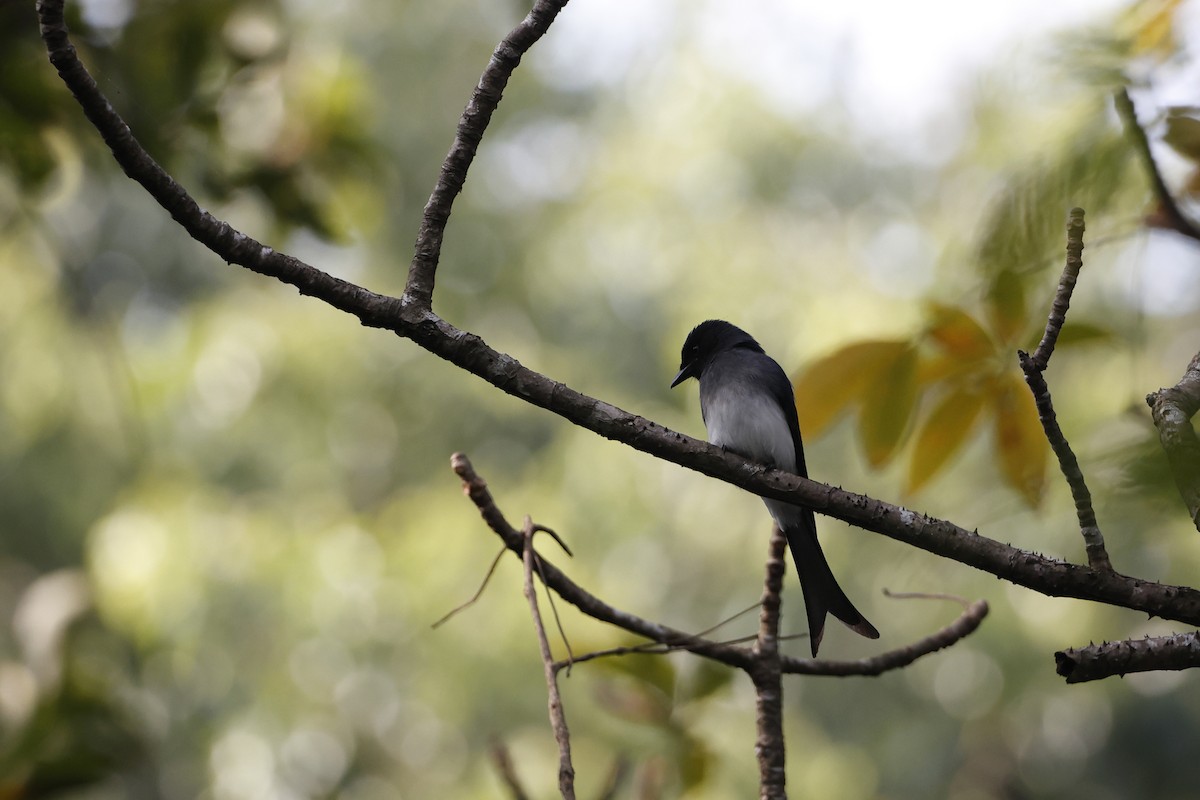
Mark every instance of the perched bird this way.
pixel 748 408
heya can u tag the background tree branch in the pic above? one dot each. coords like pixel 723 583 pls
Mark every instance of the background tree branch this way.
pixel 1172 410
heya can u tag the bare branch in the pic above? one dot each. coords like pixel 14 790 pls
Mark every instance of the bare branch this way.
pixel 476 488
pixel 1172 410
pixel 1033 367
pixel 471 127
pixel 964 626
pixel 558 719
pixel 1167 215
pixel 768 679
pixel 1078 665
pixel 467 351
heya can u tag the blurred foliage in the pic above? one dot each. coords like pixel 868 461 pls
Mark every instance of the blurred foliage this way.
pixel 227 516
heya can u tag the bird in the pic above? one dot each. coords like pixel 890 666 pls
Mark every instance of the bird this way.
pixel 749 408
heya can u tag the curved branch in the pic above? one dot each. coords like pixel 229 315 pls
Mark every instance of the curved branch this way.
pixel 407 318
pixel 964 626
pixel 1172 410
pixel 1096 661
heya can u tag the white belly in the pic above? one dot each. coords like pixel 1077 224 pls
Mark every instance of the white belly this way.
pixel 752 424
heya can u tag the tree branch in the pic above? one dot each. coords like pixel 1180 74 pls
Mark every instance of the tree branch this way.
pixel 558 719
pixel 1033 367
pixel 664 639
pixel 471 127
pixel 966 624
pixel 768 678
pixel 1172 410
pixel 1078 665
pixel 476 489
pixel 405 317
pixel 1168 214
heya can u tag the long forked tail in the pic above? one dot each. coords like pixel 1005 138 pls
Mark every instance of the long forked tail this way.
pixel 822 595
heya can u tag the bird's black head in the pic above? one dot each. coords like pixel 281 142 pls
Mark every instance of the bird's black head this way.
pixel 705 341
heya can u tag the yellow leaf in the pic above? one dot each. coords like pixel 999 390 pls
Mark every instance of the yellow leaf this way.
pixel 1153 25
pixel 943 433
pixel 832 384
pixel 958 333
pixel 1020 442
pixel 887 406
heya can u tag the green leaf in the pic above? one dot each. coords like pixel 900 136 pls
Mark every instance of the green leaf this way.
pixel 1077 333
pixel 887 407
pixel 1183 134
pixel 943 433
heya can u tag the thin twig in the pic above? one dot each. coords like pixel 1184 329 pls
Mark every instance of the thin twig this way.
pixel 491 571
pixel 558 719
pixel 962 601
pixel 562 633
pixel 1168 214
pixel 504 766
pixel 1033 367
pixel 768 678
pixel 1172 410
pixel 1078 665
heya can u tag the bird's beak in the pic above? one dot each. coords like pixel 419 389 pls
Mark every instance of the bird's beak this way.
pixel 685 372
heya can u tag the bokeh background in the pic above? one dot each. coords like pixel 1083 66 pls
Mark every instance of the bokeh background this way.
pixel 227 518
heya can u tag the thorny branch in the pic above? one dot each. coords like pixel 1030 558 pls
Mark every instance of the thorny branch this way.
pixel 1033 367
pixel 1180 651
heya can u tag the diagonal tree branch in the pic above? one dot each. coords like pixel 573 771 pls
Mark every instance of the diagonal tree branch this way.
pixel 1172 410
pixel 1096 661
pixel 471 127
pixel 1033 367
pixel 409 319
pixel 1167 215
